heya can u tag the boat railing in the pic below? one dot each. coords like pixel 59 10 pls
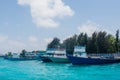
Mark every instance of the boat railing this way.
pixel 104 54
pixel 60 54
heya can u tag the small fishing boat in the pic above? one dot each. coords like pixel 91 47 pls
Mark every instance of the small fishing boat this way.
pixel 80 57
pixel 47 55
pixel 59 56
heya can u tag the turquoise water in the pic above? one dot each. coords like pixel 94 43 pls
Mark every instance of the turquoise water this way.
pixel 36 70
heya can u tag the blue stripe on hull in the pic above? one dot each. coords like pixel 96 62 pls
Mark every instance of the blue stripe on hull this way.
pixel 20 59
pixel 79 60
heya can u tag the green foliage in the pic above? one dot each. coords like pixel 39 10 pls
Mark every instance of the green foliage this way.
pixel 99 42
pixel 117 41
pixel 22 54
pixel 119 46
pixel 9 54
pixel 70 43
pixel 55 43
pixel 82 39
pixel 91 46
pixel 110 44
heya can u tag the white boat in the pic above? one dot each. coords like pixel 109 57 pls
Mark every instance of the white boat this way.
pixel 59 56
pixel 46 57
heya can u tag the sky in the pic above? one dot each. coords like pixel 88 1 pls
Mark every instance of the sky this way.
pixel 32 24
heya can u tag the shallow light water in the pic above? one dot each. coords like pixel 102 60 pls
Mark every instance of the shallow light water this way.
pixel 36 70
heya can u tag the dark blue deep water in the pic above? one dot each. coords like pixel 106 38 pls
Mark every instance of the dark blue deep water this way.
pixel 36 70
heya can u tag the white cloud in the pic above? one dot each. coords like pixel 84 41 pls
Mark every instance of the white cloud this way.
pixel 33 39
pixel 89 28
pixel 3 38
pixel 48 40
pixel 8 44
pixel 16 45
pixel 38 44
pixel 44 12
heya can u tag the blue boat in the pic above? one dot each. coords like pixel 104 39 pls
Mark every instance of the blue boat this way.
pixel 20 59
pixel 81 60
pixel 16 57
pixel 80 57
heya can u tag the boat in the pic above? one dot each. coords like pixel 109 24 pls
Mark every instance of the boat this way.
pixel 80 57
pixel 46 57
pixel 18 57
pixel 60 56
pixel 40 53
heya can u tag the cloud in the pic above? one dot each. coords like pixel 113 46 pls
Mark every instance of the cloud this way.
pixel 3 38
pixel 33 39
pixel 45 12
pixel 33 42
pixel 38 44
pixel 12 45
pixel 48 40
pixel 8 44
pixel 16 45
pixel 89 28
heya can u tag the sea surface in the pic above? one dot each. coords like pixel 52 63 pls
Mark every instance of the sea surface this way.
pixel 37 70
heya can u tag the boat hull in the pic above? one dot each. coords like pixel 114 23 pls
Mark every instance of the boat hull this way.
pixel 45 59
pixel 20 59
pixel 59 60
pixel 80 60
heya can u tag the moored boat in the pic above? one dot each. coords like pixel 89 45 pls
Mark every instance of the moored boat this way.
pixel 47 55
pixel 60 56
pixel 59 60
pixel 80 57
pixel 45 58
pixel 19 57
pixel 82 60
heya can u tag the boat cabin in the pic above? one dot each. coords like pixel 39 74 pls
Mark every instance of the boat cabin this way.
pixel 60 52
pixel 80 51
pixel 50 52
pixel 15 55
pixel 30 54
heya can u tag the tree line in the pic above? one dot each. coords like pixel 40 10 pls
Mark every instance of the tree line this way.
pixel 99 42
